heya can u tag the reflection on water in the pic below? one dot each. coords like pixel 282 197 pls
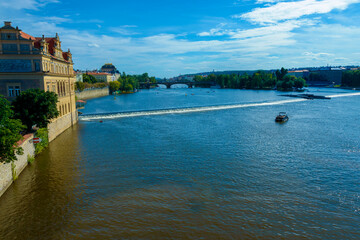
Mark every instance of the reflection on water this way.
pixel 224 174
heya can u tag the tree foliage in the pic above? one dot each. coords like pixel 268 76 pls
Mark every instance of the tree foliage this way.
pixel 114 86
pixel 89 79
pixel 351 78
pixel 35 106
pixel 280 74
pixel 79 86
pixel 259 80
pixel 9 132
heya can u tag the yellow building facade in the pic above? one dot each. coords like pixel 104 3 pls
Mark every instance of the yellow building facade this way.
pixel 28 62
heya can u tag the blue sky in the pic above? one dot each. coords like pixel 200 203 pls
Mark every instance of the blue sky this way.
pixel 168 38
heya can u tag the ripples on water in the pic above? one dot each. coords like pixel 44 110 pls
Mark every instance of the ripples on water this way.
pixel 226 174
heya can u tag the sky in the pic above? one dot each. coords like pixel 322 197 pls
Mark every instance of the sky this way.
pixel 166 38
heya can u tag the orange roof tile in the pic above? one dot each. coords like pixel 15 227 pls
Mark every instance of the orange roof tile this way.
pixel 26 36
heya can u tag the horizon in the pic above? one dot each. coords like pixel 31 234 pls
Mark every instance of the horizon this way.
pixel 181 37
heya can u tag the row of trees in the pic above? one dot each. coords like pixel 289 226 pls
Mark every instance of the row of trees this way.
pixel 128 83
pixel 80 86
pixel 259 80
pixel 31 107
pixel 351 78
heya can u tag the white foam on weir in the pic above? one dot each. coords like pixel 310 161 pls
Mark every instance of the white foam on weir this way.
pixel 199 109
pixel 184 110
pixel 344 95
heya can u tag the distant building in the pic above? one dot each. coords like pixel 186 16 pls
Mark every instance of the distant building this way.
pixel 79 76
pixel 109 68
pixel 28 62
pixel 102 76
pixel 300 73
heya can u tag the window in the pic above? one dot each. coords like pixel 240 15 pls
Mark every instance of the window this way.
pixel 17 91
pixel 9 48
pixel 37 65
pixel 11 91
pixel 8 36
pixel 25 48
pixel 14 91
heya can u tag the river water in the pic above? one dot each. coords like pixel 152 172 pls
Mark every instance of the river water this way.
pixel 202 164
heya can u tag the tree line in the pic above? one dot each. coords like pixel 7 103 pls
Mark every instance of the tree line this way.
pixel 258 80
pixel 128 83
pixel 351 78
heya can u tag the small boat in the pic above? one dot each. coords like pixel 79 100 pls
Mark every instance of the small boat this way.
pixel 282 117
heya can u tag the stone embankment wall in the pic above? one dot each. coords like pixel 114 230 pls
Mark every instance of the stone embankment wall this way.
pixel 60 125
pixel 6 177
pixel 92 93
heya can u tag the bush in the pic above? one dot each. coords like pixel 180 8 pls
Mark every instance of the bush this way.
pixel 42 133
pixel 30 159
pixel 114 86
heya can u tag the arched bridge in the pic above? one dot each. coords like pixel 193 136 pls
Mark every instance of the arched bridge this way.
pixel 169 84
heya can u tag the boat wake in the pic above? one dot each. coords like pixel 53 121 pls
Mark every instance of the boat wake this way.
pixel 89 117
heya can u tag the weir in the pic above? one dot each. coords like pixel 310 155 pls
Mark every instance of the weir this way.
pixel 115 115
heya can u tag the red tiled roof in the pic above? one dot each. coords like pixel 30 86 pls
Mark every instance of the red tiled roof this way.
pixel 26 36
pixel 90 73
pixel 65 55
pixel 25 137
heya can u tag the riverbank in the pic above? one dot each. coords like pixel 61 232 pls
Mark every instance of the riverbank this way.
pixel 8 171
pixel 92 93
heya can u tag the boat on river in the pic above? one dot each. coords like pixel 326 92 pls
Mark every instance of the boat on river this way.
pixel 282 117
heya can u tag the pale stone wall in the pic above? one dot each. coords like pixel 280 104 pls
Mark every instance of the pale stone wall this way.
pixel 92 93
pixel 6 178
pixel 59 125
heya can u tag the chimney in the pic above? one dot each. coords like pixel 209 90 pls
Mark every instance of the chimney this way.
pixel 7 23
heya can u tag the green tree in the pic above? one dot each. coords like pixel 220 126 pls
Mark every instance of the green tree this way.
pixel 351 78
pixel 9 132
pixel 281 74
pixel 128 87
pixel 299 82
pixel 198 78
pixel 80 86
pixel 114 86
pixel 35 106
pixel 89 78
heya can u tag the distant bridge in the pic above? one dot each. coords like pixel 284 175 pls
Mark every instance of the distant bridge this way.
pixel 169 84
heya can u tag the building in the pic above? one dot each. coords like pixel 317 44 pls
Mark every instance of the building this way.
pixel 28 62
pixel 109 68
pixel 102 76
pixel 79 76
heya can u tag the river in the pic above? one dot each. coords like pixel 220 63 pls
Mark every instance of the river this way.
pixel 196 164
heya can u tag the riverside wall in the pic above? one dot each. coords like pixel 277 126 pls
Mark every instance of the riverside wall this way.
pixel 58 126
pixel 92 93
pixel 6 176
pixel 55 128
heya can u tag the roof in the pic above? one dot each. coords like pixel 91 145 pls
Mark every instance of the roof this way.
pixel 91 73
pixel 26 36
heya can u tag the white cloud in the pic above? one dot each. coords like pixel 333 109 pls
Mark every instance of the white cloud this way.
pixel 124 30
pixel 25 4
pixel 294 10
